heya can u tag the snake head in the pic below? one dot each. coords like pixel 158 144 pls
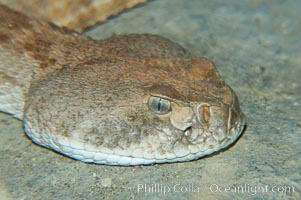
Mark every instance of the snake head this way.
pixel 196 128
pixel 144 100
pixel 199 113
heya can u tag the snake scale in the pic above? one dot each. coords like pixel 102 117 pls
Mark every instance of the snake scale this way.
pixel 126 100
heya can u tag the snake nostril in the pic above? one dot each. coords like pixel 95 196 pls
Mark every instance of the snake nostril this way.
pixel 204 113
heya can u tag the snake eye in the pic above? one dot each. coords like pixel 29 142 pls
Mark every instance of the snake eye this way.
pixel 159 105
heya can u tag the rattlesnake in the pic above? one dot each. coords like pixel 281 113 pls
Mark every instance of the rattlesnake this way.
pixel 126 100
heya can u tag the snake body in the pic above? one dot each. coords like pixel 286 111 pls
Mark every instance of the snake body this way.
pixel 126 100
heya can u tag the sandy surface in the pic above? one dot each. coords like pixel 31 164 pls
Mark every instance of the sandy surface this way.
pixel 256 46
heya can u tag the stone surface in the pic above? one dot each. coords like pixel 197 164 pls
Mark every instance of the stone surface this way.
pixel 256 46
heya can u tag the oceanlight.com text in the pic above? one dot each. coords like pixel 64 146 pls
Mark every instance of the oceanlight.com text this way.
pixel 213 188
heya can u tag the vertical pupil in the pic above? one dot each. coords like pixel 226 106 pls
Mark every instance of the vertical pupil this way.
pixel 159 104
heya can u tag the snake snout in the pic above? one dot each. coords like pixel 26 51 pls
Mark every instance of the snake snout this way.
pixel 236 123
pixel 214 124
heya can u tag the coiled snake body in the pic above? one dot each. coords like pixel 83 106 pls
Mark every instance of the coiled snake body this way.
pixel 126 100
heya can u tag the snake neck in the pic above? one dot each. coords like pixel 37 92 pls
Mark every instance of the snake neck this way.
pixel 29 50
